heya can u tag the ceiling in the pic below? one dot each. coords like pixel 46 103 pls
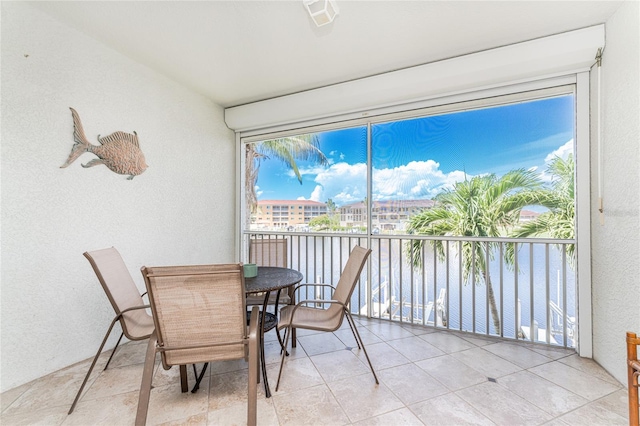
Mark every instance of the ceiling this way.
pixel 236 52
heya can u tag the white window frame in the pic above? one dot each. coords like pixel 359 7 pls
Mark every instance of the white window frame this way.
pixel 576 83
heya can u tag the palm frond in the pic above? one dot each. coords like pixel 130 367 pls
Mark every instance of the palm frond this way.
pixel 291 149
pixel 288 150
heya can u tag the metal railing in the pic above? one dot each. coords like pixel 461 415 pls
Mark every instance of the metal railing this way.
pixel 531 297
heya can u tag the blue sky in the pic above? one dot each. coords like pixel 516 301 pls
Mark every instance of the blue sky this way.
pixel 417 158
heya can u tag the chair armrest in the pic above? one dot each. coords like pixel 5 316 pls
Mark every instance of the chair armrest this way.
pixel 296 288
pixel 303 302
pixel 133 308
pixel 313 285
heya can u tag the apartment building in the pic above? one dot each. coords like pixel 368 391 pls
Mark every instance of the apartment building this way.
pixel 286 213
pixel 393 215
pixel 386 215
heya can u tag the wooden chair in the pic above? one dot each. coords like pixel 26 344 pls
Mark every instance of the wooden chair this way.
pixel 125 299
pixel 633 373
pixel 200 316
pixel 311 315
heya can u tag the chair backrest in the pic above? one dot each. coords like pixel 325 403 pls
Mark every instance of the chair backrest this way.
pixel 121 291
pixel 198 305
pixel 349 278
pixel 268 252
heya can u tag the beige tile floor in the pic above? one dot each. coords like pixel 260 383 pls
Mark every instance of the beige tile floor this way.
pixel 426 377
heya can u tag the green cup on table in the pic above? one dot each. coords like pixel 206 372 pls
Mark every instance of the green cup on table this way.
pixel 250 270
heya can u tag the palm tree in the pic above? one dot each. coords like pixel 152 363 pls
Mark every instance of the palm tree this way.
pixel 288 150
pixel 331 206
pixel 559 221
pixel 484 206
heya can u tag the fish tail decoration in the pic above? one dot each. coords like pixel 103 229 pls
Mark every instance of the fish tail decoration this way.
pixel 81 144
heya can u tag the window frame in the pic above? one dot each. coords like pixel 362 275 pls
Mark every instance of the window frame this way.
pixel 576 84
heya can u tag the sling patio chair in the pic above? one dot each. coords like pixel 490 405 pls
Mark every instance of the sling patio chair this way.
pixel 312 315
pixel 270 252
pixel 200 316
pixel 125 299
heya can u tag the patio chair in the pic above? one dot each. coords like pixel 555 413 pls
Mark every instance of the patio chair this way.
pixel 311 314
pixel 200 316
pixel 125 299
pixel 633 372
pixel 270 252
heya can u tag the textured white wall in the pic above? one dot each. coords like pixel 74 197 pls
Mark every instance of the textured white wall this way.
pixel 616 243
pixel 181 210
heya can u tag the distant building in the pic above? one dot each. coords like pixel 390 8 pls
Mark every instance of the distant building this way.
pixel 528 215
pixel 286 213
pixel 385 215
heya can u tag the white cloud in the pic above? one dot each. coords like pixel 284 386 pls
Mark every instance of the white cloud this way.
pixel 343 183
pixel 346 183
pixel 316 195
pixel 335 153
pixel 562 152
pixel 415 180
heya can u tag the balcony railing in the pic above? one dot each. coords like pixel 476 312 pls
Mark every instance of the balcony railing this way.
pixel 531 298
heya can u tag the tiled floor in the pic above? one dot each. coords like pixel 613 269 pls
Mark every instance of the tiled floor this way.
pixel 426 377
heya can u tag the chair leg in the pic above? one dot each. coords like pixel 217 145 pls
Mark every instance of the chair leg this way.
pixel 358 338
pixel 260 346
pixel 634 406
pixel 254 377
pixel 93 364
pixel 352 327
pixel 199 376
pixel 275 311
pixel 632 372
pixel 145 385
pixel 279 338
pixel 114 351
pixel 184 381
pixel 287 333
pixel 292 295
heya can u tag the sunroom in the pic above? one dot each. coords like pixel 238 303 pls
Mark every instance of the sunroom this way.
pixel 147 67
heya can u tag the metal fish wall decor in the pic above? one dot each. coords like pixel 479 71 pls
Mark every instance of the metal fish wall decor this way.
pixel 119 151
